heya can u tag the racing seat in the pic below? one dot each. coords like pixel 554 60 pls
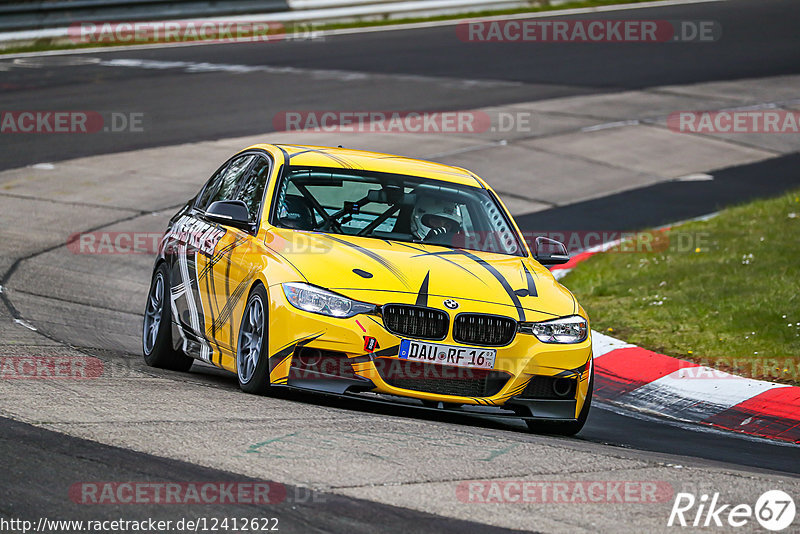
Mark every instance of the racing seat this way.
pixel 297 212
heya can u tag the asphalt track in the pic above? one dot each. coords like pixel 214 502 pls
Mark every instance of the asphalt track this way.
pixel 668 202
pixel 760 39
pixel 188 106
pixel 42 463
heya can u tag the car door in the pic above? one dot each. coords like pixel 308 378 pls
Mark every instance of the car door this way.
pixel 228 274
pixel 193 242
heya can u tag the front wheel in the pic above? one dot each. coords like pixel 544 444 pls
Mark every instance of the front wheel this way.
pixel 157 327
pixel 252 359
pixel 566 428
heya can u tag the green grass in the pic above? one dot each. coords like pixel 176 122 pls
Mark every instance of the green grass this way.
pixel 50 44
pixel 724 292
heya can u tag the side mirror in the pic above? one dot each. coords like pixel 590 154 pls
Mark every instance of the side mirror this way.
pixel 549 251
pixel 230 213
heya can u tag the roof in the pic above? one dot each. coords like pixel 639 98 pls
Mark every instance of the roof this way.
pixel 345 158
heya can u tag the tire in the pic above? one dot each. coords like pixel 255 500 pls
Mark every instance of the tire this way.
pixel 157 327
pixel 566 428
pixel 252 357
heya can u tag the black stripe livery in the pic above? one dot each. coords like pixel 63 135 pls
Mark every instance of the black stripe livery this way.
pixel 422 296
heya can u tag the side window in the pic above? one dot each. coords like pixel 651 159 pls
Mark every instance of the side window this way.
pixel 507 242
pixel 251 186
pixel 227 186
pixel 210 188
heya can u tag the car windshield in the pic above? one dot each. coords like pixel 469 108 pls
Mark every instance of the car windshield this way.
pixel 393 207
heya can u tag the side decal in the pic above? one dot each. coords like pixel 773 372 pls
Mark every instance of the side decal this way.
pixel 286 352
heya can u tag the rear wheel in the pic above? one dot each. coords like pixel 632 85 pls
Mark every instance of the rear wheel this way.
pixel 565 428
pixel 157 327
pixel 252 359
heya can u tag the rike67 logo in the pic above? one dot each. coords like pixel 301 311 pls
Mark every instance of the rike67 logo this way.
pixel 774 510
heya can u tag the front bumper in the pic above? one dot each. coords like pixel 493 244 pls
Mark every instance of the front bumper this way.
pixel 328 354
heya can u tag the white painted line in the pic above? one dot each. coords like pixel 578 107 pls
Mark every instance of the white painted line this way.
pixel 322 74
pixel 560 273
pixel 754 107
pixel 352 31
pixel 701 218
pixel 57 61
pixel 608 125
pixel 26 324
pixel 697 177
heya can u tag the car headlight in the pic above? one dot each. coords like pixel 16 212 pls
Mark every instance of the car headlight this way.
pixel 572 329
pixel 317 300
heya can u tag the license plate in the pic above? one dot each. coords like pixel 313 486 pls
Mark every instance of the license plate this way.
pixel 447 354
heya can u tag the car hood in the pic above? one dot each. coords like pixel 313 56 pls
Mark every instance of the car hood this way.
pixel 379 271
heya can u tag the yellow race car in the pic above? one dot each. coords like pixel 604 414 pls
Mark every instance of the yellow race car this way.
pixel 370 275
